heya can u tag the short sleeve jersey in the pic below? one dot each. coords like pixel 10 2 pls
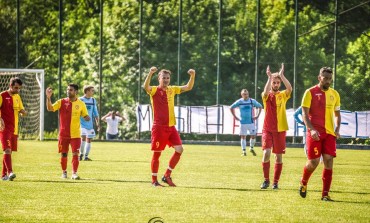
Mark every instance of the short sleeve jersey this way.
pixel 163 105
pixel 10 105
pixel 69 117
pixel 92 110
pixel 275 112
pixel 322 105
pixel 246 109
pixel 112 124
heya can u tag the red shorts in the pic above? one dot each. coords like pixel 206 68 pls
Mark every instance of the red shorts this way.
pixel 164 135
pixel 276 140
pixel 9 140
pixel 63 145
pixel 326 145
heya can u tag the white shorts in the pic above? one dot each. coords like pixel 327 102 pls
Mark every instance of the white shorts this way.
pixel 89 133
pixel 245 128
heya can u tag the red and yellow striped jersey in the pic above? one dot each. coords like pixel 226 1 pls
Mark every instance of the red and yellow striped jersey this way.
pixel 163 105
pixel 275 111
pixel 10 105
pixel 322 105
pixel 69 117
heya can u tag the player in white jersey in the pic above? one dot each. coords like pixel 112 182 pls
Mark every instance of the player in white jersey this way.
pixel 247 119
pixel 87 127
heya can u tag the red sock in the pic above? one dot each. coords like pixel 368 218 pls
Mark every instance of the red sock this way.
pixel 306 176
pixel 277 171
pixel 8 162
pixel 155 165
pixel 327 176
pixel 172 164
pixel 63 163
pixel 75 162
pixel 266 170
pixel 5 170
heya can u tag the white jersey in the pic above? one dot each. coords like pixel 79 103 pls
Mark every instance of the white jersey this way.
pixel 112 125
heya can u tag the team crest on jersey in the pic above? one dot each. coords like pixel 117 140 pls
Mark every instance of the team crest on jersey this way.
pixel 77 107
pixel 67 105
pixel 331 98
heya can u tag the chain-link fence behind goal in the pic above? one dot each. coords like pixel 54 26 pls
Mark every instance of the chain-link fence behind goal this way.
pixel 32 94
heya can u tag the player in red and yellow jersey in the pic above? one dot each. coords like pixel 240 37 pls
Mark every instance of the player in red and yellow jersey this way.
pixel 10 106
pixel 164 133
pixel 321 114
pixel 70 111
pixel 275 124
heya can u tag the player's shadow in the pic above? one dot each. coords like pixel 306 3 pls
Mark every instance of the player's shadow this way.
pixel 226 188
pixel 68 181
pixel 121 161
pixel 116 181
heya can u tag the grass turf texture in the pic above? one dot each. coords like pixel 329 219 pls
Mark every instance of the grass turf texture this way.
pixel 215 184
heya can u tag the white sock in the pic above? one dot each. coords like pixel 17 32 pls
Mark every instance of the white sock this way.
pixel 252 142
pixel 82 148
pixel 87 149
pixel 243 143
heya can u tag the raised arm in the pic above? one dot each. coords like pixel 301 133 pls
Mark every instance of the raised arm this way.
pixel 147 86
pixel 49 93
pixel 287 84
pixel 106 116
pixel 268 83
pixel 190 83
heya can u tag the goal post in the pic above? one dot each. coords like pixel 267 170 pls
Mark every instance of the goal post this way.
pixel 33 98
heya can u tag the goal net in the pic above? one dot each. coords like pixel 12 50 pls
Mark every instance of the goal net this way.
pixel 32 94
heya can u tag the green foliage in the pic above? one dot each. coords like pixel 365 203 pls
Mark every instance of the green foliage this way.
pixel 214 184
pixel 121 77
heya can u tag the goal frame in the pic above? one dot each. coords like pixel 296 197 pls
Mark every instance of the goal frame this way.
pixel 40 78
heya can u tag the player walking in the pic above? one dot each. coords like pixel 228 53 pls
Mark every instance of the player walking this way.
pixel 321 114
pixel 10 106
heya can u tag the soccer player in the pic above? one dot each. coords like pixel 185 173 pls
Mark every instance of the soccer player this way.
pixel 275 124
pixel 321 114
pixel 10 106
pixel 70 109
pixel 87 127
pixel 164 132
pixel 247 119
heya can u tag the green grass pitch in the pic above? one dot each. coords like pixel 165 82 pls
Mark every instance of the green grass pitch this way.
pixel 214 184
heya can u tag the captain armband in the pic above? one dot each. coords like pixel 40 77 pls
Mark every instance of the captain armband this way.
pixel 337 108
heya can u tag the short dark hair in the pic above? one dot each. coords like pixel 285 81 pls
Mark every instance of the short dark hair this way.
pixel 164 71
pixel 75 86
pixel 326 70
pixel 14 80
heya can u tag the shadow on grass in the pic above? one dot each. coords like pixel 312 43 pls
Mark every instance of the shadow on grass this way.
pixel 119 161
pixel 226 188
pixel 352 202
pixel 59 181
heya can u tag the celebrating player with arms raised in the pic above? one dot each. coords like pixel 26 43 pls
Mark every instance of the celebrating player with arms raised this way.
pixel 164 132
